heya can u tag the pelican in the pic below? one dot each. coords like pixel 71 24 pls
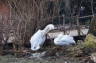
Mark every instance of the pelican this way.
pixel 63 40
pixel 38 39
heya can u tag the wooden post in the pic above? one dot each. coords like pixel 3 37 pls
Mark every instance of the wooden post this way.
pixel 64 23
pixel 78 26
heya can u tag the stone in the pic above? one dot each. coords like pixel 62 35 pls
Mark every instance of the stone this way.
pixel 93 57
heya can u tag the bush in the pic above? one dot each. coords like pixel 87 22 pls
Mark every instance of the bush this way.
pixel 90 41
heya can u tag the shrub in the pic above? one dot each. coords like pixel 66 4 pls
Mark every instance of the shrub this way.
pixel 90 41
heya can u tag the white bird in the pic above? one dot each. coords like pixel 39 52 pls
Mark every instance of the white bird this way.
pixel 63 40
pixel 38 39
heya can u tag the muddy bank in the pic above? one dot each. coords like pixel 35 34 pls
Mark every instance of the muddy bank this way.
pixel 62 59
pixel 82 52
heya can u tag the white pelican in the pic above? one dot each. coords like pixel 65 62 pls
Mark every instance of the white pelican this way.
pixel 38 39
pixel 63 40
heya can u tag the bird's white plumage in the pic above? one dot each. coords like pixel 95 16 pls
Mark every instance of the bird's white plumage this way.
pixel 63 40
pixel 38 39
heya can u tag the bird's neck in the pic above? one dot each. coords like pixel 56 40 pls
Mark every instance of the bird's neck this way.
pixel 46 30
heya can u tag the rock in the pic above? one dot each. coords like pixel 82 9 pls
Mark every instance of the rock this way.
pixel 38 55
pixel 93 57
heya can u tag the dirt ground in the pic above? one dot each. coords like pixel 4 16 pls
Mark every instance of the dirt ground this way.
pixel 77 53
pixel 70 54
pixel 55 55
pixel 12 59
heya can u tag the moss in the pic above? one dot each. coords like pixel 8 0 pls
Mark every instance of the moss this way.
pixel 90 41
